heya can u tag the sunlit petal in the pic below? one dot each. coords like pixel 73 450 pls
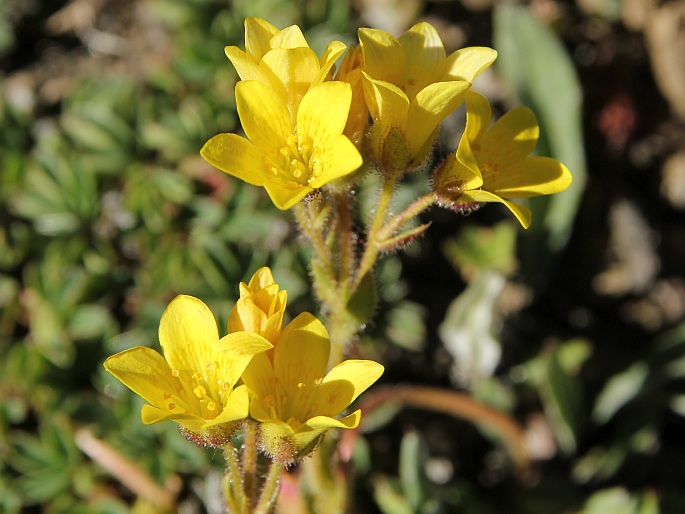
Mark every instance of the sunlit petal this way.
pixel 286 194
pixel 511 139
pixel 467 63
pixel 522 213
pixel 302 352
pixel 237 156
pixel 264 115
pixel 258 34
pixel 289 37
pixel 424 57
pixel 339 158
pixel 478 115
pixel 432 105
pixel 295 68
pixel 143 371
pixel 330 55
pixel 323 111
pixel 387 103
pixel 345 382
pixel 531 177
pixel 383 55
pixel 188 334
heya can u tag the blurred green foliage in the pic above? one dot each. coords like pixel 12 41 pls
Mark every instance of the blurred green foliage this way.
pixel 107 212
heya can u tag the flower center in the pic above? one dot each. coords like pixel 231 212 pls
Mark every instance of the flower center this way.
pixel 208 395
pixel 301 162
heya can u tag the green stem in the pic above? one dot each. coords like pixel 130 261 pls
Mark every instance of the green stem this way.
pixel 346 245
pixel 311 226
pixel 372 241
pixel 233 485
pixel 398 221
pixel 267 499
pixel 249 468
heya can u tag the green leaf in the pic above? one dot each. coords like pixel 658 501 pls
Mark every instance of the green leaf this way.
pixel 389 499
pixel 482 248
pixel 562 391
pixel 413 454
pixel 619 501
pixel 619 390
pixel 363 301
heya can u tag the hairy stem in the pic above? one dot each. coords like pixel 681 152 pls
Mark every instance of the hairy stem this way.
pixel 249 468
pixel 399 220
pixel 233 483
pixel 270 490
pixel 372 241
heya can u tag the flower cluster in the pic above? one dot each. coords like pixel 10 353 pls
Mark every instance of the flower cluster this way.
pixel 261 370
pixel 309 128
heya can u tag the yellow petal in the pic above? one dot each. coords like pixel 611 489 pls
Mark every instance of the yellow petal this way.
pixel 468 63
pixel 301 355
pixel 259 379
pixel 324 422
pixel 237 407
pixel 276 430
pixel 522 213
pixel 305 438
pixel 258 34
pixel 333 50
pixel 323 112
pixel 295 68
pixel 145 372
pixel 246 68
pixel 188 334
pixel 150 415
pixel 432 105
pixel 236 350
pixel 285 195
pixel 237 156
pixel 531 177
pixel 424 57
pixel 345 382
pixel 512 138
pixel 289 37
pixel 478 115
pixel 387 103
pixel 261 279
pixel 264 116
pixel 245 316
pixel 383 55
pixel 339 158
pixel 466 168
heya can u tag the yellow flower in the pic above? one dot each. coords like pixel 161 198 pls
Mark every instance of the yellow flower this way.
pixel 411 85
pixel 350 71
pixel 282 60
pixel 289 161
pixel 492 163
pixel 260 307
pixel 293 397
pixel 194 383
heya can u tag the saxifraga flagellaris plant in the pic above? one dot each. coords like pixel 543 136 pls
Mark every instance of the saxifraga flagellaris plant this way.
pixel 312 133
